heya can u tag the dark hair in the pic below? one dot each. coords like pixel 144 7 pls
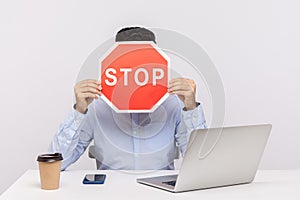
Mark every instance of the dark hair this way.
pixel 135 34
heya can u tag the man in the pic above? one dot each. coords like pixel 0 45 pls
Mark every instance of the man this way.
pixel 129 140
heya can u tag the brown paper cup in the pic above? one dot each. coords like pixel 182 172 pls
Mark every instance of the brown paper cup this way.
pixel 49 166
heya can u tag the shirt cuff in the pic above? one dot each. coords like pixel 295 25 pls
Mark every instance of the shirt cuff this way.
pixel 194 118
pixel 78 118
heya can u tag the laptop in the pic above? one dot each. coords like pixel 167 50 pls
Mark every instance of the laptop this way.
pixel 217 157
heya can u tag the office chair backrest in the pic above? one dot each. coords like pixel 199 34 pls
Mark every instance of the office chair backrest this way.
pixel 98 163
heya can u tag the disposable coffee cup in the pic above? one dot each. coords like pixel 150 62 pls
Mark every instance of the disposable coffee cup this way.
pixel 49 166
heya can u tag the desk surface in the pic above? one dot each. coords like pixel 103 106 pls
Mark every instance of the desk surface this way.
pixel 122 185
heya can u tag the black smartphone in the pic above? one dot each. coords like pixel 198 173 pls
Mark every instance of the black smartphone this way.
pixel 94 179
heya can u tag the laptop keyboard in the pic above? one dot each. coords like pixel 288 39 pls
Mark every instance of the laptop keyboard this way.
pixel 172 183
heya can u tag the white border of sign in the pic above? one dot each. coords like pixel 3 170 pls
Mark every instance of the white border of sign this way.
pixel 161 52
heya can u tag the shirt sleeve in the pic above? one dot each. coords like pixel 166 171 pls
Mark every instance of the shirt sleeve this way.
pixel 194 119
pixel 72 138
pixel 190 120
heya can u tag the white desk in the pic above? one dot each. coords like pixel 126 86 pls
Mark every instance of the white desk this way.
pixel 122 185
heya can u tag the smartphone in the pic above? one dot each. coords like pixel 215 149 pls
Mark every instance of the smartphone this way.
pixel 94 179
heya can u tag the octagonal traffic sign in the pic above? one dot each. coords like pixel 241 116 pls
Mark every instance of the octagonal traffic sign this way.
pixel 134 76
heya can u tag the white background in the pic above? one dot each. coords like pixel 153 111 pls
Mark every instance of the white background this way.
pixel 254 45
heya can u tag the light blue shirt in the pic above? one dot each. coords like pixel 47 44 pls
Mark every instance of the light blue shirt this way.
pixel 126 141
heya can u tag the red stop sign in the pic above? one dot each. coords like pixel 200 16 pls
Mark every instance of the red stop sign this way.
pixel 134 76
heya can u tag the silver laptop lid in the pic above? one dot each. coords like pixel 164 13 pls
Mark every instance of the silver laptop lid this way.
pixel 222 156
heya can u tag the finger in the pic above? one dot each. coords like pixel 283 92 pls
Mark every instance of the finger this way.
pixel 177 83
pixel 89 95
pixel 90 90
pixel 93 85
pixel 89 82
pixel 185 94
pixel 181 81
pixel 84 83
pixel 183 87
pixel 177 79
pixel 181 92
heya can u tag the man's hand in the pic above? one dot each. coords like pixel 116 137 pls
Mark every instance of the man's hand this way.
pixel 86 91
pixel 185 89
